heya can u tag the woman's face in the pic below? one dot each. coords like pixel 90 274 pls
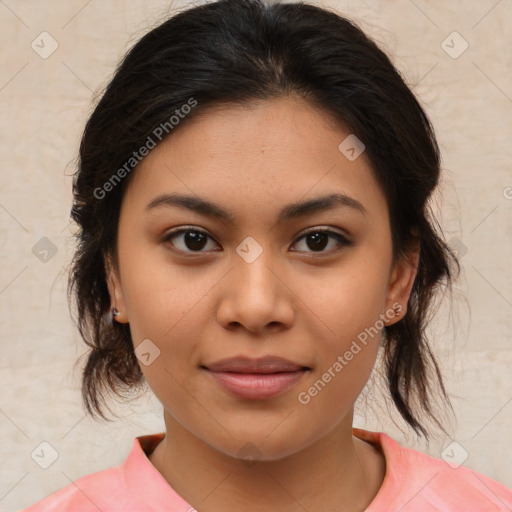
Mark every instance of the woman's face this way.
pixel 254 284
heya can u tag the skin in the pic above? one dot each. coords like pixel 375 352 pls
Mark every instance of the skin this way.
pixel 292 301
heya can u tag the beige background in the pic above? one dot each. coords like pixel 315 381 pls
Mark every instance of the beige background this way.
pixel 44 104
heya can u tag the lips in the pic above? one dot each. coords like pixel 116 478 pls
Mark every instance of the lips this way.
pixel 269 364
pixel 261 378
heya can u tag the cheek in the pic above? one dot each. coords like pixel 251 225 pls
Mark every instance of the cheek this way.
pixel 157 294
pixel 165 305
pixel 348 300
pixel 348 308
pixel 344 361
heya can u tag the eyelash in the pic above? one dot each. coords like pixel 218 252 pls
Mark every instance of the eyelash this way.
pixel 341 239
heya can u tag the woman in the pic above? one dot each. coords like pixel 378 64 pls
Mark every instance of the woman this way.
pixel 253 196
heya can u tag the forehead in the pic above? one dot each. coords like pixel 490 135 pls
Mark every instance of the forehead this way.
pixel 264 154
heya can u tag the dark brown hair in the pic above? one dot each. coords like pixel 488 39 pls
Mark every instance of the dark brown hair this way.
pixel 235 51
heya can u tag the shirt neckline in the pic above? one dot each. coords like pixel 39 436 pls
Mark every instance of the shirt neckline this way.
pixel 144 480
pixel 396 468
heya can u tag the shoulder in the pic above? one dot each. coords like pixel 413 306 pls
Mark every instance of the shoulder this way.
pixel 456 486
pixel 87 494
pixel 415 482
pixel 123 488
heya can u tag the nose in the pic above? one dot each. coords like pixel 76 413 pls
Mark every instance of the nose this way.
pixel 256 296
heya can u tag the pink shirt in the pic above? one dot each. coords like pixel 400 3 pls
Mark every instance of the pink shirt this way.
pixel 414 482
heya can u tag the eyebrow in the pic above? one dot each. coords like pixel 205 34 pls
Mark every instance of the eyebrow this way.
pixel 290 211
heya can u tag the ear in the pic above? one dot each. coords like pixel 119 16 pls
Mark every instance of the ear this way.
pixel 115 291
pixel 401 282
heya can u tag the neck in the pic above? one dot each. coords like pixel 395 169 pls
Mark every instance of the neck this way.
pixel 339 472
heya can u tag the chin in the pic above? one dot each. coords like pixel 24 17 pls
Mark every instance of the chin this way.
pixel 260 446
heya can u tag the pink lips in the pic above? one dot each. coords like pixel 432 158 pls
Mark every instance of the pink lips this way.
pixel 256 378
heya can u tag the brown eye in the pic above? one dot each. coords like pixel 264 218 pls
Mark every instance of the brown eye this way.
pixel 188 240
pixel 317 240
